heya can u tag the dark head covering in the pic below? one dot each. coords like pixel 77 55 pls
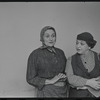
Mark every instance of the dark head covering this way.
pixel 45 29
pixel 86 36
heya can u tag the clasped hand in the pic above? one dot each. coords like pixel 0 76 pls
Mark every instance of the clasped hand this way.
pixel 94 83
pixel 56 78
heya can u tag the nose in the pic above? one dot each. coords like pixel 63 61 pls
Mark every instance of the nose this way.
pixel 78 45
pixel 50 38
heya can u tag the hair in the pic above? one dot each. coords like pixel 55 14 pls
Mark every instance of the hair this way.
pixel 86 36
pixel 45 29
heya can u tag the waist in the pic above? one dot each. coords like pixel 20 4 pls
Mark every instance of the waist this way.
pixel 60 84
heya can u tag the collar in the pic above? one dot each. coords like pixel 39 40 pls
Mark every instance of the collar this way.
pixel 51 49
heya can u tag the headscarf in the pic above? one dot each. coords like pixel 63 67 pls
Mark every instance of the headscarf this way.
pixel 43 31
pixel 51 49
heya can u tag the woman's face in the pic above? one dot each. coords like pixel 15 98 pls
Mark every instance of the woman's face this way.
pixel 81 47
pixel 49 38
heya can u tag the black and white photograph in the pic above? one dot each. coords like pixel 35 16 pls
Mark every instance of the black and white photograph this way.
pixel 49 49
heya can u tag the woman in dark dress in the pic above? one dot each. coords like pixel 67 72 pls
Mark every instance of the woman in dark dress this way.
pixel 46 67
pixel 83 68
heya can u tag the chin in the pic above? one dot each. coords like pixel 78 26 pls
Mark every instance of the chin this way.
pixel 50 45
pixel 79 52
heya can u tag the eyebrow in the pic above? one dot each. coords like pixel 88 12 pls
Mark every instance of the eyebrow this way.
pixel 51 34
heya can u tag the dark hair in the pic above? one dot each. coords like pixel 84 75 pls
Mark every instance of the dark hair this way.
pixel 86 36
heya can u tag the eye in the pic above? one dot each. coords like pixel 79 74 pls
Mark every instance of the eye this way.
pixel 53 35
pixel 47 36
pixel 77 42
pixel 83 43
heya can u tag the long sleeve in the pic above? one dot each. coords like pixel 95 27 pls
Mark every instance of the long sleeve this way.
pixel 31 76
pixel 74 80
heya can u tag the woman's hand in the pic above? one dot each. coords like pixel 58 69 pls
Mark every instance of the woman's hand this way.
pixel 94 83
pixel 55 79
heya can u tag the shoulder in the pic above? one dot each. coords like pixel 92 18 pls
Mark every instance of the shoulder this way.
pixel 35 52
pixel 99 54
pixel 59 50
pixel 61 53
pixel 74 55
pixel 96 53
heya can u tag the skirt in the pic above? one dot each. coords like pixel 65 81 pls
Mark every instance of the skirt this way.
pixel 52 91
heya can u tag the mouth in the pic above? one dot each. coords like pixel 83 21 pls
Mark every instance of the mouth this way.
pixel 78 49
pixel 51 42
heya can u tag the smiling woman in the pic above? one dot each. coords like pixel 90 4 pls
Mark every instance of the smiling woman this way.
pixel 46 67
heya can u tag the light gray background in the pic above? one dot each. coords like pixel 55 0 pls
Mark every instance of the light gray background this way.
pixel 20 25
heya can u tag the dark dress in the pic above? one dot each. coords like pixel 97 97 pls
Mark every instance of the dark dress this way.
pixel 44 64
pixel 80 70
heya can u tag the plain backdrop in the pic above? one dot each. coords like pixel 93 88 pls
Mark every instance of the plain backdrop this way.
pixel 20 26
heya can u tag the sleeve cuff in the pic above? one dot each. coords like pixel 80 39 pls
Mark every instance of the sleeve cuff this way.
pixel 41 84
